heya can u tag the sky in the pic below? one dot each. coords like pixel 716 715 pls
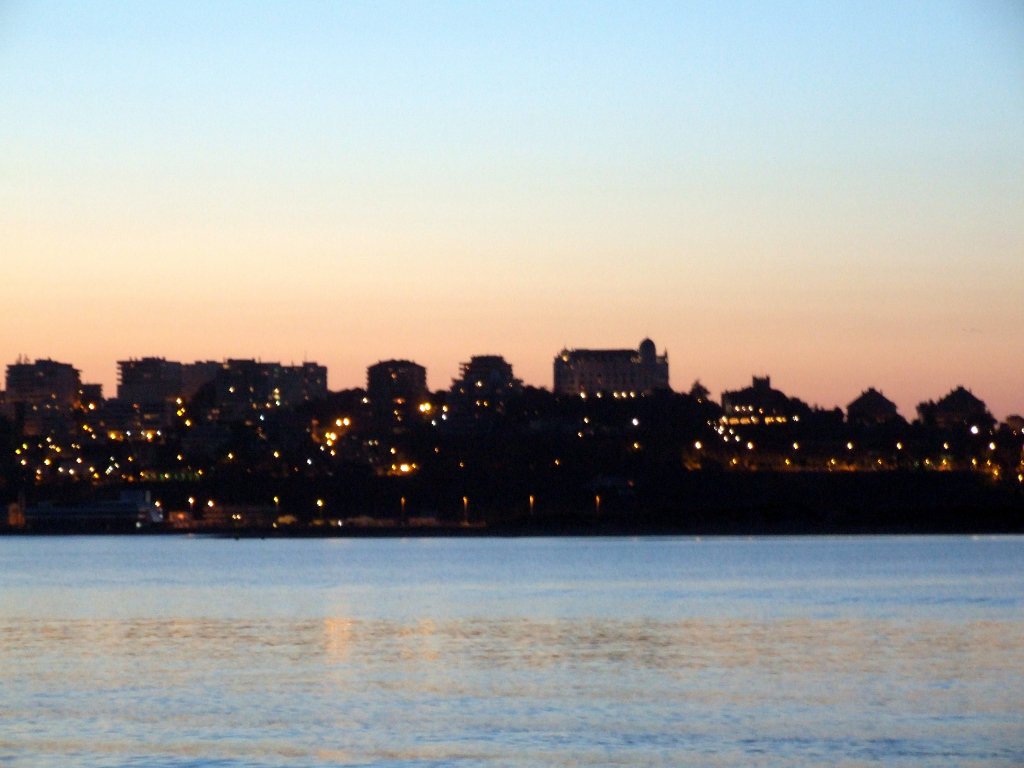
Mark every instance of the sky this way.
pixel 828 193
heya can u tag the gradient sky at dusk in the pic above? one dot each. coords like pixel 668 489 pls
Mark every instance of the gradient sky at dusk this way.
pixel 831 193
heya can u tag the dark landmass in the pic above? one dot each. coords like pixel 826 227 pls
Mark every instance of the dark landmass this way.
pixel 522 463
pixel 695 503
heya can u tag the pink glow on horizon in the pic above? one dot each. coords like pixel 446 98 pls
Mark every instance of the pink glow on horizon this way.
pixel 827 194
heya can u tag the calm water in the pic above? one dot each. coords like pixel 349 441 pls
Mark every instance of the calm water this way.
pixel 523 652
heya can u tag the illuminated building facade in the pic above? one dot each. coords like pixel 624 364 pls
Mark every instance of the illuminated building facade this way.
pixel 760 404
pixel 613 371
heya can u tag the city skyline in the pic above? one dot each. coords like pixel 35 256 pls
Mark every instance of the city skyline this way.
pixel 600 363
pixel 833 196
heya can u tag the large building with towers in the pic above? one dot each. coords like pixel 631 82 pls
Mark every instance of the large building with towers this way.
pixel 611 371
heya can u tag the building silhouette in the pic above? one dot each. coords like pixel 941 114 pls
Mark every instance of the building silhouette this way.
pixel 44 383
pixel 149 380
pixel 483 387
pixel 396 388
pixel 960 408
pixel 146 389
pixel 391 380
pixel 40 395
pixel 244 388
pixel 92 396
pixel 872 408
pixel 761 404
pixel 613 371
pixel 195 376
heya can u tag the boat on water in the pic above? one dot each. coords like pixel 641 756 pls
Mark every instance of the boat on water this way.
pixel 131 510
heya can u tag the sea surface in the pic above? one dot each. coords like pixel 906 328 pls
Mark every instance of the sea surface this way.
pixel 191 651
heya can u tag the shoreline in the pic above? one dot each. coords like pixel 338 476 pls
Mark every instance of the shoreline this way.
pixel 688 504
pixel 987 525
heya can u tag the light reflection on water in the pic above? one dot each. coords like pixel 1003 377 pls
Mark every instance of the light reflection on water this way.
pixel 552 667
